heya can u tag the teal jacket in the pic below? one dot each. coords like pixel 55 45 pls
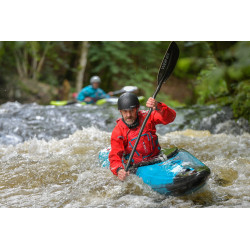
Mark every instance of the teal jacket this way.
pixel 95 94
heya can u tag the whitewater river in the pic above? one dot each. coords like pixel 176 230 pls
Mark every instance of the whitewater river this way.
pixel 49 158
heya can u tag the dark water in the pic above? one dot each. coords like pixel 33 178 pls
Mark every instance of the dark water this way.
pixel 49 158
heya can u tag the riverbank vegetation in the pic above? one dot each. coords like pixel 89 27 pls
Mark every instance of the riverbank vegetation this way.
pixel 206 73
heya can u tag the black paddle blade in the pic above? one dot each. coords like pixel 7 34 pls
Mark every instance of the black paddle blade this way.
pixel 168 63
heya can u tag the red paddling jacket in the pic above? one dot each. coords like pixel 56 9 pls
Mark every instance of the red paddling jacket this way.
pixel 123 138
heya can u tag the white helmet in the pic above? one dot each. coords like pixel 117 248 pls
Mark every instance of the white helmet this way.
pixel 95 79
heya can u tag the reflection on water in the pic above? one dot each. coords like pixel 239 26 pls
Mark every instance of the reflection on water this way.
pixel 59 167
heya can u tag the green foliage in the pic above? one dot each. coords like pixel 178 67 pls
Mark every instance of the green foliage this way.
pixel 57 65
pixel 240 68
pixel 126 63
pixel 43 61
pixel 7 58
pixel 26 58
pixel 210 85
pixel 188 67
pixel 241 101
pixel 225 79
pixel 161 97
pixel 1 50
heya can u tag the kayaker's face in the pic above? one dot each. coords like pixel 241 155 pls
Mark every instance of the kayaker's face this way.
pixel 95 85
pixel 129 115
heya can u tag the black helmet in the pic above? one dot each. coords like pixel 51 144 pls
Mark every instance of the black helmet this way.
pixel 128 101
pixel 95 79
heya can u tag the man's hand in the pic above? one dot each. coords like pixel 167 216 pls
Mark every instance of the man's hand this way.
pixel 122 174
pixel 87 99
pixel 151 103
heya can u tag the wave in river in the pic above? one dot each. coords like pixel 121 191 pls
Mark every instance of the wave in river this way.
pixel 66 172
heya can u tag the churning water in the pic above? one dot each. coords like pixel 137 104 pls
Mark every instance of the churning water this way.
pixel 49 158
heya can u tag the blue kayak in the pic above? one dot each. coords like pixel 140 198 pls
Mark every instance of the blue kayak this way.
pixel 175 172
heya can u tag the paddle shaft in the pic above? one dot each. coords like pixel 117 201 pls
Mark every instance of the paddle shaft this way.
pixel 125 89
pixel 166 68
pixel 118 92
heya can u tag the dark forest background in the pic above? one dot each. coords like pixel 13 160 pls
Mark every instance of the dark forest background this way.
pixel 206 73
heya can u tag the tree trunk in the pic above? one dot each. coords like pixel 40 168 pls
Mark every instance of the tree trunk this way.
pixel 41 62
pixel 34 63
pixel 82 66
pixel 18 66
pixel 25 62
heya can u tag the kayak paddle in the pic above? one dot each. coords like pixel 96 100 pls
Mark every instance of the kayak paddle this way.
pixel 125 89
pixel 167 66
pixel 114 100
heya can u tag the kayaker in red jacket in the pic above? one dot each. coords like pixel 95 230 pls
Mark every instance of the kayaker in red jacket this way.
pixel 127 129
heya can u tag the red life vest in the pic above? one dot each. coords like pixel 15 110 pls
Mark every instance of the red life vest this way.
pixel 124 138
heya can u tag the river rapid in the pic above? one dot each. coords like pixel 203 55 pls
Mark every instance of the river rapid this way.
pixel 49 158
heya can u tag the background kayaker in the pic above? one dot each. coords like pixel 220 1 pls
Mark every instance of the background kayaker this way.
pixel 127 129
pixel 92 93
